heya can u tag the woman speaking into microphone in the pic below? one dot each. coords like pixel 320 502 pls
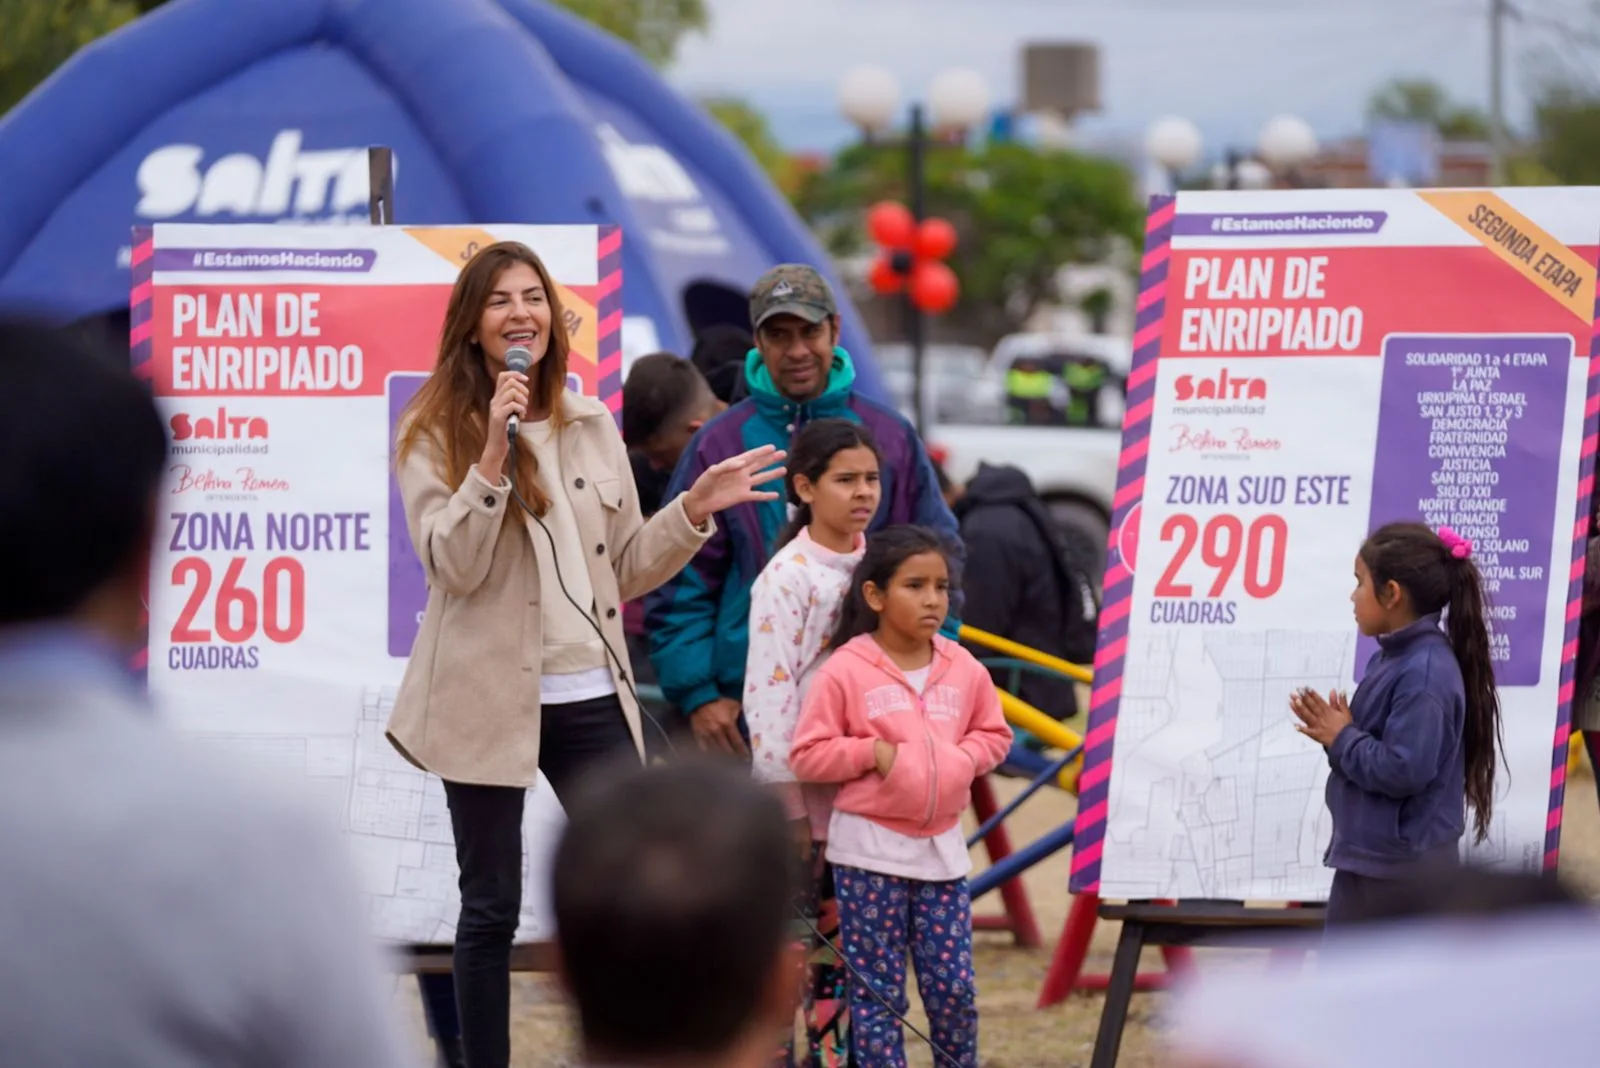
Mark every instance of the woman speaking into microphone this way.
pixel 532 540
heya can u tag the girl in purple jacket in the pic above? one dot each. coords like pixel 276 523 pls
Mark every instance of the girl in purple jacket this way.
pixel 1417 745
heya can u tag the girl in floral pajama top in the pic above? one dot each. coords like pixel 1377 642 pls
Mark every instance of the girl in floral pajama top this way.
pixel 794 608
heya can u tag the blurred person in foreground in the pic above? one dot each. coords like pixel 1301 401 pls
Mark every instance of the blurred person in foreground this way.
pixel 698 622
pixel 155 911
pixel 672 890
pixel 1461 967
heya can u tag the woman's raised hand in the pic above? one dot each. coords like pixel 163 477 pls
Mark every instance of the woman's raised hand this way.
pixel 734 481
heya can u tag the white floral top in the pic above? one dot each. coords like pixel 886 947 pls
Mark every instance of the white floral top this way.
pixel 794 608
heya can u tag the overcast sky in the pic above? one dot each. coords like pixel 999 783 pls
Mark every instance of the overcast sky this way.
pixel 1229 65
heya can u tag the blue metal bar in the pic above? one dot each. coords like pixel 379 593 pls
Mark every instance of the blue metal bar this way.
pixel 1020 861
pixel 1024 762
pixel 1015 803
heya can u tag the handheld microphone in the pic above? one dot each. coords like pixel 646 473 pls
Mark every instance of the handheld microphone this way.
pixel 518 359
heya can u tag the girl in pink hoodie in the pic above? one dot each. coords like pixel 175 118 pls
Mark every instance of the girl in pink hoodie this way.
pixel 794 609
pixel 904 720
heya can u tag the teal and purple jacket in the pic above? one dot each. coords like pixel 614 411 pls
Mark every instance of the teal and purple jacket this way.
pixel 698 624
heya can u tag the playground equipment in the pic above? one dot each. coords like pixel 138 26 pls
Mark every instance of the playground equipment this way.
pixel 1066 964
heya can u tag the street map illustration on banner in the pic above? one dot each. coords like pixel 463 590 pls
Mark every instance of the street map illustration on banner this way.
pixel 1310 365
pixel 285 594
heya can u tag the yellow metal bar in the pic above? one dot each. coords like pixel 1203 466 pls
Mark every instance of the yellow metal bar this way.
pixel 1023 652
pixel 1021 714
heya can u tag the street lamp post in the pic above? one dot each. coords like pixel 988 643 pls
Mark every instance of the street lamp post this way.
pixel 1285 143
pixel 1175 144
pixel 957 100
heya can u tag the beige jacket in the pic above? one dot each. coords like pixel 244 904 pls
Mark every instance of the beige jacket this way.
pixel 468 707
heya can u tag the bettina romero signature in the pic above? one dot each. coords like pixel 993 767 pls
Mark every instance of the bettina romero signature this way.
pixel 244 480
pixel 1206 440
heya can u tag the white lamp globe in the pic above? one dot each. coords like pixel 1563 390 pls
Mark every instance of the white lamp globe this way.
pixel 1287 141
pixel 869 97
pixel 1174 143
pixel 1253 174
pixel 958 99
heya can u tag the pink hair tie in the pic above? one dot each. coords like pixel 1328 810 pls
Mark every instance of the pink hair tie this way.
pixel 1459 547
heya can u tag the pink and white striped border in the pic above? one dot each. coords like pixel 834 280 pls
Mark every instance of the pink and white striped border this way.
pixel 608 309
pixel 141 328
pixel 1095 781
pixel 1569 646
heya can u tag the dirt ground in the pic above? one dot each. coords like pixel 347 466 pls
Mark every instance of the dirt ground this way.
pixel 1014 1033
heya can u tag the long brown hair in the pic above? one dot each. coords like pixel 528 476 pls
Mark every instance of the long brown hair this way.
pixel 451 409
pixel 1418 560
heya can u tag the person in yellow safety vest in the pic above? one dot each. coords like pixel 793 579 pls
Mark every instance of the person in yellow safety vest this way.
pixel 1084 379
pixel 1028 394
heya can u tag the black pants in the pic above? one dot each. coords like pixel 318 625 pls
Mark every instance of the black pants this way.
pixel 574 740
pixel 1357 899
pixel 1350 899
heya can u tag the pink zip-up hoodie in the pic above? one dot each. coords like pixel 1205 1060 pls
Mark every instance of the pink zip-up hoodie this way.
pixel 944 739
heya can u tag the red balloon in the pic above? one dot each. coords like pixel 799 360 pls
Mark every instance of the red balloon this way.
pixel 891 224
pixel 933 287
pixel 884 278
pixel 935 240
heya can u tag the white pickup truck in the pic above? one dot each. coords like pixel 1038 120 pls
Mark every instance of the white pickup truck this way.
pixel 1074 469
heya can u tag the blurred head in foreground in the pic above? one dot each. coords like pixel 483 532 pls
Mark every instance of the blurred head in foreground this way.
pixel 1469 967
pixel 672 888
pixel 81 455
pixel 159 907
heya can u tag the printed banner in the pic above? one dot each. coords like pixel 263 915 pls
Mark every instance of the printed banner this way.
pixel 1308 366
pixel 285 594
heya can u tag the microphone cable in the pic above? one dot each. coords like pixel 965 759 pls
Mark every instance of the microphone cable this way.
pixel 938 1052
pixel 623 667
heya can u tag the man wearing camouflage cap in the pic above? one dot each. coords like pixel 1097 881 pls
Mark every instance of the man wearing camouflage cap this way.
pixel 698 622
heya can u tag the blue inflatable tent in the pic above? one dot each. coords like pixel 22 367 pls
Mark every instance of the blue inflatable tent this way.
pixel 497 111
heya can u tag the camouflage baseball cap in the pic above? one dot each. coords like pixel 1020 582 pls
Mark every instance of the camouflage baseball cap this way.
pixel 791 289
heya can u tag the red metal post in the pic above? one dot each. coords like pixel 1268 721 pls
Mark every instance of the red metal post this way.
pixel 1066 963
pixel 1018 918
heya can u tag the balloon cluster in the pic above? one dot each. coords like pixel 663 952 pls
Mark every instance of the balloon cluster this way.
pixel 912 257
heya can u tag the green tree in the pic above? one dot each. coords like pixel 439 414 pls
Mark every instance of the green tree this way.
pixel 1425 101
pixel 654 27
pixel 1566 122
pixel 1022 214
pixel 37 36
pixel 750 127
pixel 1565 148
